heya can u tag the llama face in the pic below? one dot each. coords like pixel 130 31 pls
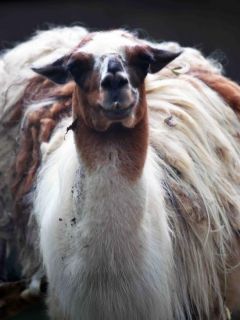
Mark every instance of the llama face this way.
pixel 109 69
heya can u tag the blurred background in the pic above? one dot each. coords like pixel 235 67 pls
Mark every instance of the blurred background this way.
pixel 213 26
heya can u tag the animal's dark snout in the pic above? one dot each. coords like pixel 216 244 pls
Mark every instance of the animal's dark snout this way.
pixel 115 77
pixel 117 101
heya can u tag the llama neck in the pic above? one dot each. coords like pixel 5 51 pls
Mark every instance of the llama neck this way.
pixel 119 147
pixel 112 209
pixel 120 229
pixel 115 188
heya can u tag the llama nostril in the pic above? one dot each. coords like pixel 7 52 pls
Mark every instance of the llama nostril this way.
pixel 116 81
pixel 122 81
pixel 106 82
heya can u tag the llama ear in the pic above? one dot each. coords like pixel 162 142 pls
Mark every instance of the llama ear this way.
pixel 56 71
pixel 150 59
pixel 160 58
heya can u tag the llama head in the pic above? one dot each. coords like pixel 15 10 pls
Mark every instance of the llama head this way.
pixel 108 69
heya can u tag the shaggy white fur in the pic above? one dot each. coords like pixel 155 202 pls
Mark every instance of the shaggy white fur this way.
pixel 66 225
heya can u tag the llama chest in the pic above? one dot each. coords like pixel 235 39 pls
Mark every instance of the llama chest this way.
pixel 104 239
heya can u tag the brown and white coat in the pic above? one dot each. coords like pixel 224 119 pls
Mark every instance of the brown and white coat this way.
pixel 138 220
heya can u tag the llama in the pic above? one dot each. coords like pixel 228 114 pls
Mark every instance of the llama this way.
pixel 132 152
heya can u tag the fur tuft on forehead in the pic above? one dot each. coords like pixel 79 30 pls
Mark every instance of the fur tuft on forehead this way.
pixel 105 42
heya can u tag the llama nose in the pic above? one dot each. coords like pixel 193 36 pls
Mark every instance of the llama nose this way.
pixel 115 78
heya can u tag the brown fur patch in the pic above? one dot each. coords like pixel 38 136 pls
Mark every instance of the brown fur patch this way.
pixel 188 201
pixel 227 89
pixel 85 40
pixel 37 128
pixel 11 301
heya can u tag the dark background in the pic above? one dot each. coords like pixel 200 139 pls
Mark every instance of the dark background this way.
pixel 212 26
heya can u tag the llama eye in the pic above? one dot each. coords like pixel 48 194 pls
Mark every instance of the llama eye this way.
pixel 143 60
pixel 78 71
pixel 139 59
pixel 79 66
pixel 139 64
pixel 144 66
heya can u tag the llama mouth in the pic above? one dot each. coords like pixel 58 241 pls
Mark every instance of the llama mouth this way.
pixel 118 114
